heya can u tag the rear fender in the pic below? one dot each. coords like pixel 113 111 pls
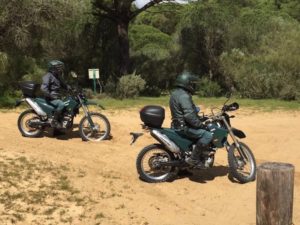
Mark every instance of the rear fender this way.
pixel 19 102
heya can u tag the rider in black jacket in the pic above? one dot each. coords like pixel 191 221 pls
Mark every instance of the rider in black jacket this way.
pixel 51 87
pixel 185 116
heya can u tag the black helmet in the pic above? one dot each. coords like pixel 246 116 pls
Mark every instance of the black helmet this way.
pixel 56 66
pixel 187 81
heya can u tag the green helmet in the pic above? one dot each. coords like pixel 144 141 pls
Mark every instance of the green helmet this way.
pixel 56 66
pixel 187 81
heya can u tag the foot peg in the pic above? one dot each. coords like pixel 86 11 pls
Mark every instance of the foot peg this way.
pixel 197 164
pixel 135 136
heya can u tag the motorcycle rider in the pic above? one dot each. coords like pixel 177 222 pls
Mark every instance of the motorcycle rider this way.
pixel 185 117
pixel 51 87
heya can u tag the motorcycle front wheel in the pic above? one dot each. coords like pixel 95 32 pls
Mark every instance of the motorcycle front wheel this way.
pixel 101 130
pixel 149 167
pixel 24 124
pixel 242 168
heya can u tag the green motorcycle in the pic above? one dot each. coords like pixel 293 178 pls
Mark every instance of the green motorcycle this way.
pixel 33 121
pixel 161 161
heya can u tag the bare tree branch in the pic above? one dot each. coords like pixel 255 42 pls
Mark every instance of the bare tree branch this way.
pixel 148 5
pixel 171 9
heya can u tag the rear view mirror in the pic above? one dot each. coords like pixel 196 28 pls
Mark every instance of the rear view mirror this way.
pixel 73 74
pixel 234 106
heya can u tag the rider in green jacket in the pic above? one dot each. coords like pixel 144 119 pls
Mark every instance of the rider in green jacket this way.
pixel 185 117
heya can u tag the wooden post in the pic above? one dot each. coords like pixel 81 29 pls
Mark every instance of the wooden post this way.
pixel 274 194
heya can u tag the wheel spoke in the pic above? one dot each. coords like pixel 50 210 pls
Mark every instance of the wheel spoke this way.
pixel 24 124
pixel 151 164
pixel 243 168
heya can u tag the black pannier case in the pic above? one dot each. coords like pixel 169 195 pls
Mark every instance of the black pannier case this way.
pixel 152 115
pixel 29 88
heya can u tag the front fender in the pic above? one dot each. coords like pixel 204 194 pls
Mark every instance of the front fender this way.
pixel 90 102
pixel 238 133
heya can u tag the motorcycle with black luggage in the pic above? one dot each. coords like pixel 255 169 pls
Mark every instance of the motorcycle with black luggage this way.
pixel 162 161
pixel 33 121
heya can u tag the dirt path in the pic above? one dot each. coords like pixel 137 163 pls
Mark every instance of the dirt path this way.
pixel 106 173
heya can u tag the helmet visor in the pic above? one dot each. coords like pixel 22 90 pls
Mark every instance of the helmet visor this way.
pixel 60 68
pixel 194 83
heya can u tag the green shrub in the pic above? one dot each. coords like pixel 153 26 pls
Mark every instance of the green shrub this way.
pixel 3 62
pixel 130 86
pixel 7 101
pixel 34 72
pixel 88 92
pixel 3 71
pixel 102 96
pixel 208 88
pixel 151 91
pixel 289 92
pixel 110 87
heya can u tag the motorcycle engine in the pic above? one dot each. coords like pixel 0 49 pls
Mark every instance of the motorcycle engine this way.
pixel 67 122
pixel 209 157
pixel 209 161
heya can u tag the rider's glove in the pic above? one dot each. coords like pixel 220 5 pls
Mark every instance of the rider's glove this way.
pixel 54 97
pixel 203 127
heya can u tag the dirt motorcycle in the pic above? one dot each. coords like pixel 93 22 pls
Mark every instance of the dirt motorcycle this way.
pixel 162 161
pixel 33 121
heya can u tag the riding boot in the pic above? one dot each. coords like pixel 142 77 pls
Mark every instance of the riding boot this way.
pixel 194 159
pixel 55 121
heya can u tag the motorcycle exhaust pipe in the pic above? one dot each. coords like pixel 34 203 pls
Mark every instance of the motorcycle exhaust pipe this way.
pixel 176 163
pixel 163 139
pixel 35 107
pixel 37 124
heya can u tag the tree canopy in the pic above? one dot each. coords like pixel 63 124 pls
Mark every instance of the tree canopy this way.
pixel 251 46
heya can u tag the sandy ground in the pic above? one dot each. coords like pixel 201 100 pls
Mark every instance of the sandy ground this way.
pixel 118 196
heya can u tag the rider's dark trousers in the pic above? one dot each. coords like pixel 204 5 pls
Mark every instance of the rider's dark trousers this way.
pixel 204 137
pixel 59 105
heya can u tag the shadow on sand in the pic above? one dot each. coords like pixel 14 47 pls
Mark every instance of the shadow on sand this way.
pixel 203 176
pixel 62 135
pixel 66 135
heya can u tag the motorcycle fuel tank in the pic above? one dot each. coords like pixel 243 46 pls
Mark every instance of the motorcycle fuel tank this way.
pixel 219 135
pixel 70 104
pixel 182 142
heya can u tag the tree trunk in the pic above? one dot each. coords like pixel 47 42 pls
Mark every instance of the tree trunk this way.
pixel 124 46
pixel 278 4
pixel 274 194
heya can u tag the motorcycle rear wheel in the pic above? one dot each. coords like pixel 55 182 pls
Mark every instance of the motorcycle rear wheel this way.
pixel 23 124
pixel 148 167
pixel 237 166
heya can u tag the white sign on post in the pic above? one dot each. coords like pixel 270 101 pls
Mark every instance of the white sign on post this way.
pixel 94 74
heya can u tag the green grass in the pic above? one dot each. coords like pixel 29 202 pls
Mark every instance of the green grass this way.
pixel 262 104
pixel 112 103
